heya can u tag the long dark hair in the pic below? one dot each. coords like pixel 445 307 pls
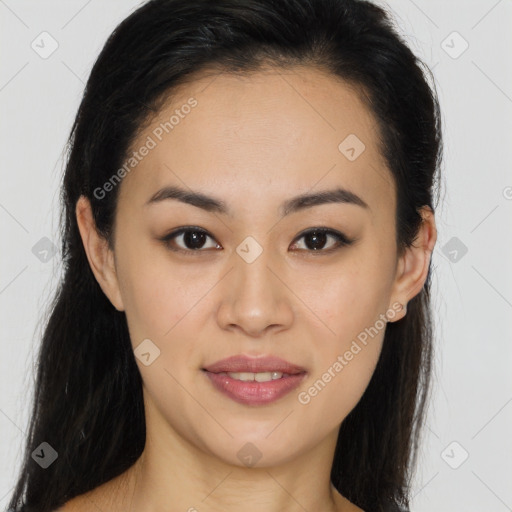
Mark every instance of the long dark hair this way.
pixel 88 403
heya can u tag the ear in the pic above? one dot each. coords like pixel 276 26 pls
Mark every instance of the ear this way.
pixel 412 267
pixel 100 256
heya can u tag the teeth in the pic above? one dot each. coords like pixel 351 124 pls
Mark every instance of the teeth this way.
pixel 258 377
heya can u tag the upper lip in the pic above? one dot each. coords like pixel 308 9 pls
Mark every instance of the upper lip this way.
pixel 241 363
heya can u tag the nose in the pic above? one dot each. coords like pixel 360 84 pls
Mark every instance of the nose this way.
pixel 255 298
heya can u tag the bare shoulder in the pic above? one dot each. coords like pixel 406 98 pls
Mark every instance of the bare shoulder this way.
pixel 81 503
pixel 113 496
pixel 84 502
pixel 76 504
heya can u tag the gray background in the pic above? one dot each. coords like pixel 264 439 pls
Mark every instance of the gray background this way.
pixel 471 409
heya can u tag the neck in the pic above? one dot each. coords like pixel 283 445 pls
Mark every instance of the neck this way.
pixel 173 470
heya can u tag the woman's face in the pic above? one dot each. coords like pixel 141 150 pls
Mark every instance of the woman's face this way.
pixel 247 278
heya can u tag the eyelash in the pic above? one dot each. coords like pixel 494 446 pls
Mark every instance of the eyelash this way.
pixel 342 240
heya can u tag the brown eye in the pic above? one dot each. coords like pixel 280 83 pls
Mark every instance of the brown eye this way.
pixel 316 239
pixel 188 240
pixel 191 239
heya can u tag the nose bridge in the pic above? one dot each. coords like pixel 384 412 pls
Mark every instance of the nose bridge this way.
pixel 252 261
pixel 254 297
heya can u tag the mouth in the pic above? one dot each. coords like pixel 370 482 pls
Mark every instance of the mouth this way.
pixel 255 377
pixel 254 381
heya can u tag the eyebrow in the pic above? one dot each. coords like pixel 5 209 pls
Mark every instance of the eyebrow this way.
pixel 295 204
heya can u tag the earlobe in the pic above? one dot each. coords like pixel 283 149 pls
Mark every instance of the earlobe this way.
pixel 99 255
pixel 413 266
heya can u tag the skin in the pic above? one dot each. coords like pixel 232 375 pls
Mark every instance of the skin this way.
pixel 253 142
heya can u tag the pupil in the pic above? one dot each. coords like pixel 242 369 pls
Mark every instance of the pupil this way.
pixel 315 236
pixel 194 239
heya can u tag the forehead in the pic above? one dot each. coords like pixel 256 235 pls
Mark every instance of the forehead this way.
pixel 273 131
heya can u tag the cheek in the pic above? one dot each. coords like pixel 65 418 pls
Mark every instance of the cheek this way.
pixel 351 297
pixel 162 304
pixel 352 306
pixel 346 355
pixel 158 294
pixel 332 393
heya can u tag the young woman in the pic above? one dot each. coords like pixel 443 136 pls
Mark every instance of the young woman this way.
pixel 248 223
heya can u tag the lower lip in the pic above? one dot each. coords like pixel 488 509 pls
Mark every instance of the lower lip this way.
pixel 252 392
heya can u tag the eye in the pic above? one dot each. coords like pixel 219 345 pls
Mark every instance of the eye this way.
pixel 316 239
pixel 191 238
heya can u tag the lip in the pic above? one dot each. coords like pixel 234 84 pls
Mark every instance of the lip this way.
pixel 253 392
pixel 241 363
